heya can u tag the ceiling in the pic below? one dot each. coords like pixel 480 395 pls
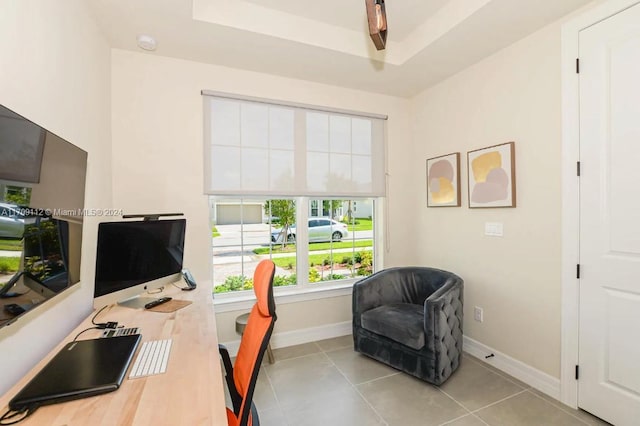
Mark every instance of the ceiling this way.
pixel 327 41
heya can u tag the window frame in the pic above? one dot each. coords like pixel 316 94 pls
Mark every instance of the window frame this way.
pixel 244 299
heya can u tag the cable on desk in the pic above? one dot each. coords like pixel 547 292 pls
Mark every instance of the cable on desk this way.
pixel 93 320
pixel 181 288
pixel 8 418
pixel 87 329
pixel 103 325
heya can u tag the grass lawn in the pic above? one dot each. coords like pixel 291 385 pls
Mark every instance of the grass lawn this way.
pixel 362 225
pixel 9 264
pixel 11 245
pixel 214 232
pixel 291 248
pixel 316 259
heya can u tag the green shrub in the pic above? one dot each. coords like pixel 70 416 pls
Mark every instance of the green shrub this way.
pixel 331 277
pixel 221 288
pixel 366 258
pixel 347 260
pixel 281 280
pixel 236 282
pixel 314 275
pixel 366 262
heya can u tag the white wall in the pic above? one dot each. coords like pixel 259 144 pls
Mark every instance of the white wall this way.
pixel 157 113
pixel 513 95
pixel 54 70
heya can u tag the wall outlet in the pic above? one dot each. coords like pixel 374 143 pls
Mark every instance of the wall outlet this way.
pixel 477 314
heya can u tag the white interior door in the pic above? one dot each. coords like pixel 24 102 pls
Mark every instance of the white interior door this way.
pixel 609 352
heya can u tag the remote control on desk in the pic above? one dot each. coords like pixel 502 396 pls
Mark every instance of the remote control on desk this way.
pixel 157 302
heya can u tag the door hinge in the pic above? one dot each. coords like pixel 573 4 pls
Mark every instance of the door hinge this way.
pixel 578 270
pixel 577 372
pixel 577 65
pixel 578 168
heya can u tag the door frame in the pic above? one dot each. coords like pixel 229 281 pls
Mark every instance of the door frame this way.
pixel 570 189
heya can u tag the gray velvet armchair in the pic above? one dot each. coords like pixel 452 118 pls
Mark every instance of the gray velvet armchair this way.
pixel 410 318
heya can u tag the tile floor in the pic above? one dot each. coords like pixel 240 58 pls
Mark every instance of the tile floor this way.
pixel 327 383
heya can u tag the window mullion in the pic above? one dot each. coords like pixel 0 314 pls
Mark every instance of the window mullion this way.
pixel 302 240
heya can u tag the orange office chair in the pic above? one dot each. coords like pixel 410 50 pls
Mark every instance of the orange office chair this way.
pixel 241 378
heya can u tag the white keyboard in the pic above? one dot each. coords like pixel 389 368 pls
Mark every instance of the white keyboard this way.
pixel 152 359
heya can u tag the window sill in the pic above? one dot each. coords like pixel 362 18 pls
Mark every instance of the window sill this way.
pixel 227 302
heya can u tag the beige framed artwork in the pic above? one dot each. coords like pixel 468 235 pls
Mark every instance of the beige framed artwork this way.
pixel 491 174
pixel 443 181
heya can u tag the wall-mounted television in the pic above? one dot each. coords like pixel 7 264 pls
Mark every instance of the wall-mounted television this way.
pixel 42 188
pixel 137 257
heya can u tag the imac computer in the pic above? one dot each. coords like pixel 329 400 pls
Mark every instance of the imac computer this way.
pixel 137 257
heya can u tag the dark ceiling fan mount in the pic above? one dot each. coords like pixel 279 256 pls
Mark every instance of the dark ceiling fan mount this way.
pixel 377 19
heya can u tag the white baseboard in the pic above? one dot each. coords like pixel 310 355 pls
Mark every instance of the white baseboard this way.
pixel 518 369
pixel 298 337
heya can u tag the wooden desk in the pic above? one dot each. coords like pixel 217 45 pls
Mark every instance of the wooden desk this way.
pixel 190 392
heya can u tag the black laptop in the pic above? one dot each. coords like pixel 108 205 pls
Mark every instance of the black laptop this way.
pixel 81 369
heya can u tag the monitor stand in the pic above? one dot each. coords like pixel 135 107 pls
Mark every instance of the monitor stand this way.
pixel 136 302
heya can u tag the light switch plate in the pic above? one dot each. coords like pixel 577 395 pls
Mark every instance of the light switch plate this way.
pixel 494 229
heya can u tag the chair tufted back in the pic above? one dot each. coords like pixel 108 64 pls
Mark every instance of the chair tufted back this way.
pixel 443 326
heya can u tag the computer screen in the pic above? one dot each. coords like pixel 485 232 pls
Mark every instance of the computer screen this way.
pixel 137 256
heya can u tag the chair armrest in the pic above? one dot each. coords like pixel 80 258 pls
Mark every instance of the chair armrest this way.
pixel 236 399
pixel 447 301
pixel 443 325
pixel 365 296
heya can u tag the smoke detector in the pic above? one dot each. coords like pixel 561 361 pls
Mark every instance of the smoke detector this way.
pixel 147 42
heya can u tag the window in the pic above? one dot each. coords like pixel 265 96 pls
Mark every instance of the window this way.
pixel 245 231
pixel 292 183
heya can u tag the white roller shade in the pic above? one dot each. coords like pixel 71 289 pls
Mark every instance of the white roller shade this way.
pixel 254 147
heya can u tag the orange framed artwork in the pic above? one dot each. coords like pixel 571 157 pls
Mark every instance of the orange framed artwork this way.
pixel 491 174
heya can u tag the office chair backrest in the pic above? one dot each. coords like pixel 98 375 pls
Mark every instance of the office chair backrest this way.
pixel 255 338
